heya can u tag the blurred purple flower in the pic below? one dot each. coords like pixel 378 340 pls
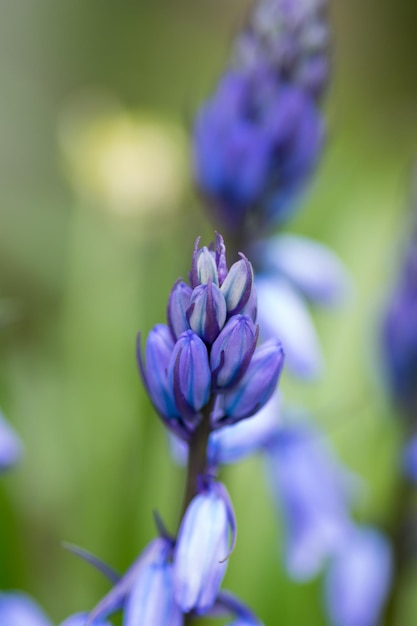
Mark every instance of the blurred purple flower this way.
pixel 311 491
pixel 291 270
pixel 400 335
pixel 409 459
pixel 18 609
pixel 358 579
pixel 255 143
pixel 10 446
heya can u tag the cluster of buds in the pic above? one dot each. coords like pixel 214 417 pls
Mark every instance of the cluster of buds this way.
pixel 203 372
pixel 206 359
pixel 293 37
pixel 258 138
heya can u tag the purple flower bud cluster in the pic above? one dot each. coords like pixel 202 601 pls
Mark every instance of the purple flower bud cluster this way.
pixel 206 357
pixel 258 138
pixel 203 372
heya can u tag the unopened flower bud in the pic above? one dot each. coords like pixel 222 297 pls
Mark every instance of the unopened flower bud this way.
pixel 178 303
pixel 258 382
pixel 189 373
pixel 207 312
pixel 237 285
pixel 206 267
pixel 231 352
pixel 159 347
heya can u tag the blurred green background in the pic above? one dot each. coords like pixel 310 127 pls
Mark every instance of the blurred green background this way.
pixel 98 218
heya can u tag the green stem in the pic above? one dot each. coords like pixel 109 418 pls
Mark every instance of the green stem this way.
pixel 196 466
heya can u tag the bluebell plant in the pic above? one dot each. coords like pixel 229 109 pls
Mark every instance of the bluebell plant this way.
pixel 204 372
pixel 211 372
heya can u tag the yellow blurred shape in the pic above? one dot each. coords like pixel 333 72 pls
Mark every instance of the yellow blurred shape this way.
pixel 127 162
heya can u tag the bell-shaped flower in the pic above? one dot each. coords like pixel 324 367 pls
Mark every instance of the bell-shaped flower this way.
pixel 257 384
pixel 358 579
pixel 18 609
pixel 10 446
pixel 207 311
pixel 202 548
pixel 312 493
pixel 232 351
pixel 189 374
pixel 159 349
pixel 178 303
pixel 237 285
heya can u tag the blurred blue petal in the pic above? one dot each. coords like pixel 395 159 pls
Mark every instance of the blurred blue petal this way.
pixel 234 443
pixel 283 314
pixel 410 459
pixel 358 579
pixel 10 446
pixel 308 265
pixel 309 487
pixel 18 609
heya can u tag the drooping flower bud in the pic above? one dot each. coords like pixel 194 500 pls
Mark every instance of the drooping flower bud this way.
pixel 232 351
pixel 189 375
pixel 159 348
pixel 237 285
pixel 258 383
pixel 202 549
pixel 207 312
pixel 178 303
